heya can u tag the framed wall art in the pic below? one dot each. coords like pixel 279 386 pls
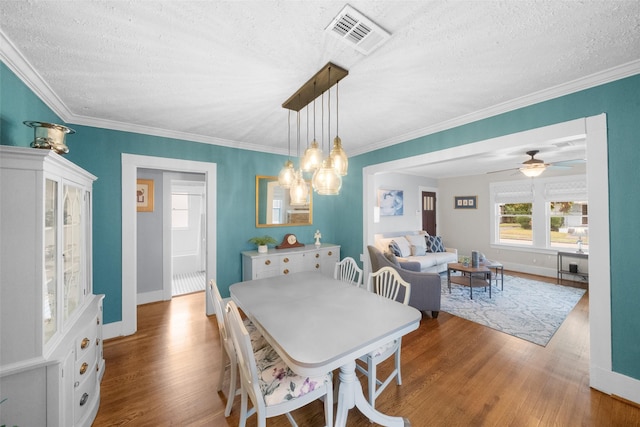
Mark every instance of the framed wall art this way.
pixel 144 195
pixel 391 202
pixel 465 202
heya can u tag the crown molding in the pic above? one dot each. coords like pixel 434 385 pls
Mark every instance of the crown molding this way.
pixel 12 57
pixel 625 70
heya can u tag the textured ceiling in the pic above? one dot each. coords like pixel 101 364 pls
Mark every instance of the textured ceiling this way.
pixel 219 71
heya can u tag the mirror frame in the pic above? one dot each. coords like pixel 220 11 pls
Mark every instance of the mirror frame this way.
pixel 262 225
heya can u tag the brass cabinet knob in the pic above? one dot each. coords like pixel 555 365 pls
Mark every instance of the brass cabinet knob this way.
pixel 83 368
pixel 267 262
pixel 330 253
pixel 286 260
pixel 317 266
pixel 85 343
pixel 286 271
pixel 317 255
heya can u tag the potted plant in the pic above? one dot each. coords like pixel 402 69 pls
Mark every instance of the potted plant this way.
pixel 262 241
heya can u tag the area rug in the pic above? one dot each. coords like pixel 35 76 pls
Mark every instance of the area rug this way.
pixel 526 309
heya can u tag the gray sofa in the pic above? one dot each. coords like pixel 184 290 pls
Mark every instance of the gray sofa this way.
pixel 425 287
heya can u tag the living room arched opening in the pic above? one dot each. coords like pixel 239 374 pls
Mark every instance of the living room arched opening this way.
pixel 594 131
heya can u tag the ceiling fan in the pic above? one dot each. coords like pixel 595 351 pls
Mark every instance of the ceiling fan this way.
pixel 534 167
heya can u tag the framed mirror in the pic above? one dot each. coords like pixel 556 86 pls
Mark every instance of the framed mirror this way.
pixel 273 207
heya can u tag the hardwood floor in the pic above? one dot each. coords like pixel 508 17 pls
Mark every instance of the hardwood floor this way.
pixel 455 373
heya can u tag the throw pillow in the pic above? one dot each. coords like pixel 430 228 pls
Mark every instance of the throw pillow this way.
pixel 434 244
pixel 393 247
pixel 403 245
pixel 418 244
pixel 392 258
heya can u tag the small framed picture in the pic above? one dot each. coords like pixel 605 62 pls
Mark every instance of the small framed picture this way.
pixel 144 195
pixel 465 202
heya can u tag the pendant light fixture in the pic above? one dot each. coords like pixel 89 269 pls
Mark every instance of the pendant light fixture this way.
pixel 312 158
pixel 327 180
pixel 299 191
pixel 287 173
pixel 338 155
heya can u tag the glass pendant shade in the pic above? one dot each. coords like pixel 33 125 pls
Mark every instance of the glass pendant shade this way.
pixel 299 190
pixel 326 180
pixel 312 158
pixel 533 170
pixel 339 157
pixel 286 175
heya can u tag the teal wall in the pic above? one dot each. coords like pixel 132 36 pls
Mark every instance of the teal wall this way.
pixel 620 100
pixel 340 218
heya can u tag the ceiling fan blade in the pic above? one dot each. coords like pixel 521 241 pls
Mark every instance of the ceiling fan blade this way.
pixel 504 170
pixel 569 162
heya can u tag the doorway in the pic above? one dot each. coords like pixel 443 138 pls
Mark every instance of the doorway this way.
pixel 188 236
pixel 130 165
pixel 595 131
pixel 429 212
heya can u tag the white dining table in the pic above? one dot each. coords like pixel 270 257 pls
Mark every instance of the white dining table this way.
pixel 317 324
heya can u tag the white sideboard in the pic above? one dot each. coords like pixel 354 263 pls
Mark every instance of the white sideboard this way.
pixel 277 262
pixel 51 359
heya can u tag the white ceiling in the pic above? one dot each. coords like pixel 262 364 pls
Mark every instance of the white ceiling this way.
pixel 219 71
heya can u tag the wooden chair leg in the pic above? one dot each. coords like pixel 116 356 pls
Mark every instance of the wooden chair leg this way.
pixel 233 383
pixel 224 357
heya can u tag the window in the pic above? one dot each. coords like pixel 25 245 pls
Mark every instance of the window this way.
pixel 276 211
pixel 180 210
pixel 516 223
pixel 543 213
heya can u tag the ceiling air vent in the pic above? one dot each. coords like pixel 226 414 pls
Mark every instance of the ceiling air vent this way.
pixel 357 30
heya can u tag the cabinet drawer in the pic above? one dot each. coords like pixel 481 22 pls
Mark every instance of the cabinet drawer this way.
pixel 87 339
pixel 85 394
pixel 85 365
pixel 291 263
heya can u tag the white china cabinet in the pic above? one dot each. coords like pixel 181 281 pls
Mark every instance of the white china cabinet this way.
pixel 51 360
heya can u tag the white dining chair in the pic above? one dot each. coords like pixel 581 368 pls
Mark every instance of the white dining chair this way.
pixel 273 388
pixel 348 271
pixel 228 353
pixel 387 283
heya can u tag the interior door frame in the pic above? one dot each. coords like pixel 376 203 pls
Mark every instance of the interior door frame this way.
pixel 130 165
pixel 594 128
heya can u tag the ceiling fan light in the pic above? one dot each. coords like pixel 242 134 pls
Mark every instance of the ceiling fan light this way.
pixel 533 170
pixel 286 175
pixel 326 180
pixel 312 158
pixel 299 190
pixel 339 157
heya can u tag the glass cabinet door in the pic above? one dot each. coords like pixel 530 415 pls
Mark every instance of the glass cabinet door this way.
pixel 72 240
pixel 50 295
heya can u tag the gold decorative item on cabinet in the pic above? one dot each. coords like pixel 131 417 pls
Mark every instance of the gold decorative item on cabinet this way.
pixel 49 136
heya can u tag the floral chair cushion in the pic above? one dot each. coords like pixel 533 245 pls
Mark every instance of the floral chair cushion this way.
pixel 278 382
pixel 382 349
pixel 257 340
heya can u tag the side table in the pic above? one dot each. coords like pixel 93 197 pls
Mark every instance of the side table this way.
pixel 498 268
pixel 560 267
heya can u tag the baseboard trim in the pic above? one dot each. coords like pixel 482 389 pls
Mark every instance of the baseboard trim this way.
pixel 617 385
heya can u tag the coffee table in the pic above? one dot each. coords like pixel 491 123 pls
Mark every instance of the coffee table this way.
pixel 474 277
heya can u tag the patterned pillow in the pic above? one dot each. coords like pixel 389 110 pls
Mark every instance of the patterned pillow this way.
pixel 404 246
pixel 394 248
pixel 434 244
